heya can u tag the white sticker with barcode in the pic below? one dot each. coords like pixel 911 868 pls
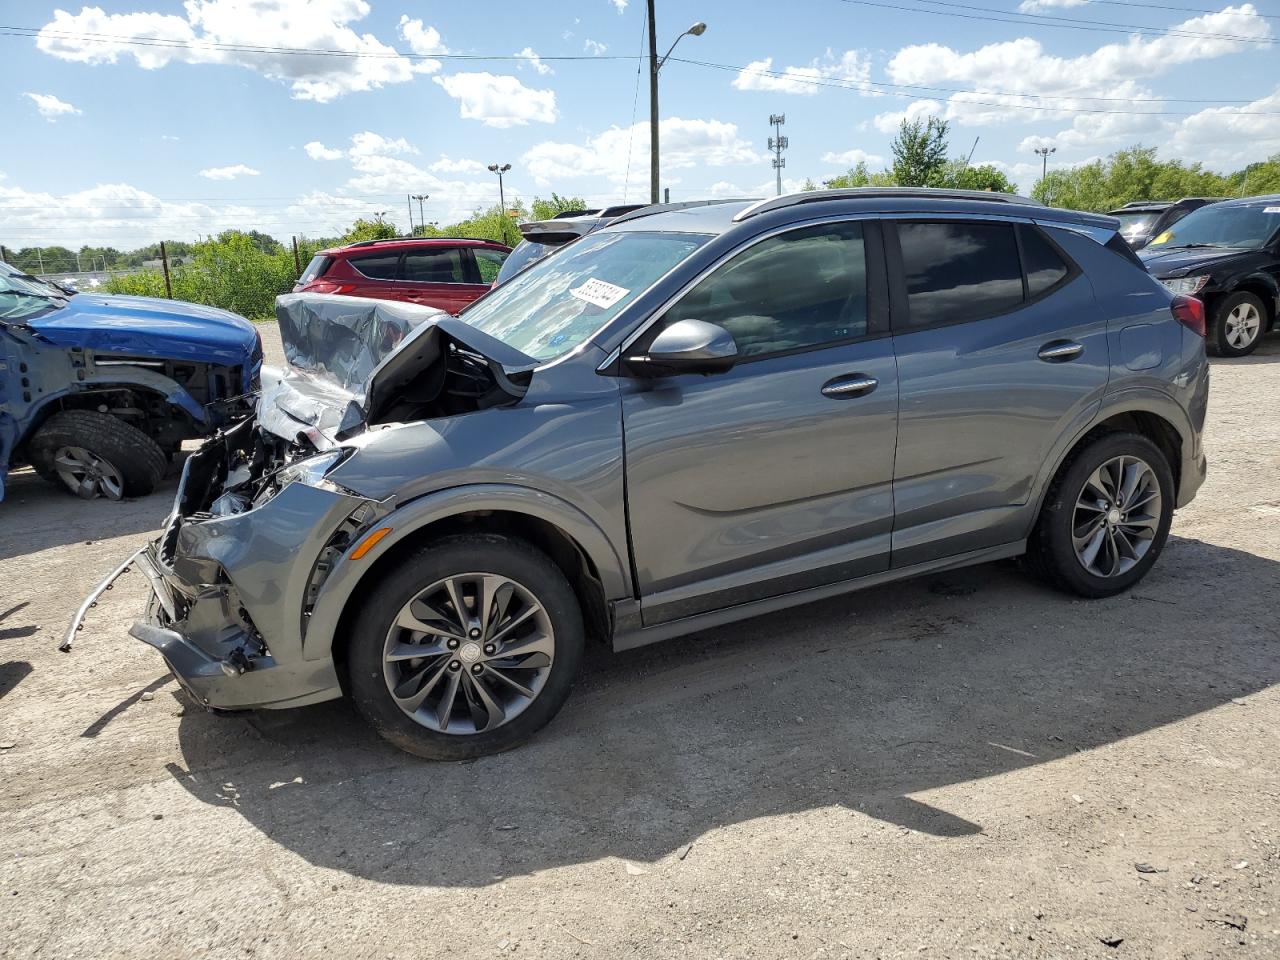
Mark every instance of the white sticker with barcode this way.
pixel 599 293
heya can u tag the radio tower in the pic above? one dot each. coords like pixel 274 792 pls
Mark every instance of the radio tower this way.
pixel 778 143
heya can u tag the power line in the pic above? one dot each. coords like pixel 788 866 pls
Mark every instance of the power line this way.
pixel 1037 18
pixel 859 85
pixel 984 14
pixel 1162 6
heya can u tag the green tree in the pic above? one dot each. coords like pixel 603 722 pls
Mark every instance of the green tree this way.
pixel 860 176
pixel 1132 174
pixel 960 176
pixel 1256 178
pixel 546 209
pixel 920 153
pixel 377 229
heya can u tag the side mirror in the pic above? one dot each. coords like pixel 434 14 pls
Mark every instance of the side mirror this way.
pixel 688 346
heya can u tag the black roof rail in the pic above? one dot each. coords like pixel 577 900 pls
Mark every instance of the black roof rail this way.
pixel 654 208
pixel 618 209
pixel 584 212
pixel 873 193
pixel 370 243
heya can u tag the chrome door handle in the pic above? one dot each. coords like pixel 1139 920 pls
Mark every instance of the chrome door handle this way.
pixel 1060 351
pixel 842 388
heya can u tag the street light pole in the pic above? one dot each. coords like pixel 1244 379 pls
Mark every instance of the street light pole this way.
pixel 1043 154
pixel 502 199
pixel 655 64
pixel 422 220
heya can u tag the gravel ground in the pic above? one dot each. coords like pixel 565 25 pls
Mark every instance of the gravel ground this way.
pixel 966 765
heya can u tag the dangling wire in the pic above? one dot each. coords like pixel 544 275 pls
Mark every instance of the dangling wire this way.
pixel 635 100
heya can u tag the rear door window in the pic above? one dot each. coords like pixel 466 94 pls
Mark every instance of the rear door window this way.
pixel 435 266
pixel 958 271
pixel 378 266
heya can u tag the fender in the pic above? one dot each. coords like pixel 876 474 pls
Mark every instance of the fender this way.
pixel 1136 399
pixel 408 519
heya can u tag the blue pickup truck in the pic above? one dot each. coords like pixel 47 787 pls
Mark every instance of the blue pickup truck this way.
pixel 97 392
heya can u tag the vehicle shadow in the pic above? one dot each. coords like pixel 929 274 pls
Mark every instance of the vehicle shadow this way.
pixel 858 702
pixel 36 515
pixel 12 674
pixel 1268 352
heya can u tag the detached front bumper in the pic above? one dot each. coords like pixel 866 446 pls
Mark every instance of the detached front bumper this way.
pixel 230 595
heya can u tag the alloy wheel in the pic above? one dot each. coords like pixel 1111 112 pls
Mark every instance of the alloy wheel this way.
pixel 87 474
pixel 469 653
pixel 1243 325
pixel 1116 516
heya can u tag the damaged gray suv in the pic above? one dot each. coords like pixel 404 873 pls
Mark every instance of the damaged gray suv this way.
pixel 697 414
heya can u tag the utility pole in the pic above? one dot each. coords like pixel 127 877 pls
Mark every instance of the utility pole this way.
pixel 297 260
pixel 164 262
pixel 408 197
pixel 777 144
pixel 653 106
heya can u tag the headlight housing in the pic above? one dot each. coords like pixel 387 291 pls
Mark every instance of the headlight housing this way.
pixel 310 471
pixel 1186 286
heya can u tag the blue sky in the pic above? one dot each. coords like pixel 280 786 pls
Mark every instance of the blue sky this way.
pixel 135 120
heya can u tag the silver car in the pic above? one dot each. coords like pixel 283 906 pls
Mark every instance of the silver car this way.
pixel 688 417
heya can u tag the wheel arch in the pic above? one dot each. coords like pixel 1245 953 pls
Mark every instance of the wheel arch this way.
pixel 1265 289
pixel 578 546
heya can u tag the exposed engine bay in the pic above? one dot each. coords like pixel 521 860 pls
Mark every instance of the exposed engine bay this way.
pixel 354 364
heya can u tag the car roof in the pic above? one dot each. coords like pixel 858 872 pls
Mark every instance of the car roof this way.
pixel 1266 199
pixel 391 243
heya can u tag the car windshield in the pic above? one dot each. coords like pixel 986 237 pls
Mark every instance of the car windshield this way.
pixel 526 254
pixel 1136 224
pixel 22 297
pixel 1219 225
pixel 559 302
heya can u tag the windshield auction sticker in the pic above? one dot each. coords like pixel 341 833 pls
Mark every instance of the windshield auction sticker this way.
pixel 599 293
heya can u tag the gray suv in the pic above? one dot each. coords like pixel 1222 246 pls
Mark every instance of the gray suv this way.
pixel 689 417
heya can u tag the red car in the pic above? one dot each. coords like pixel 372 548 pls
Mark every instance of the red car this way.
pixel 443 272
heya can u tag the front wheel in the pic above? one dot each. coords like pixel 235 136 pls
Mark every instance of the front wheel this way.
pixel 1105 518
pixel 1238 323
pixel 468 648
pixel 95 455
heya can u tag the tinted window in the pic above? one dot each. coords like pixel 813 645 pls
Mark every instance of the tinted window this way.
pixel 526 253
pixel 1042 263
pixel 959 271
pixel 377 266
pixel 489 263
pixel 434 266
pixel 799 289
pixel 315 268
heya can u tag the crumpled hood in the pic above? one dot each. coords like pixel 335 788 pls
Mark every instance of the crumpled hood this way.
pixel 1178 262
pixel 151 327
pixel 350 357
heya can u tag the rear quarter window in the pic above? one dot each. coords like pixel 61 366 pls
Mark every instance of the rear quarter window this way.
pixel 1044 266
pixel 315 269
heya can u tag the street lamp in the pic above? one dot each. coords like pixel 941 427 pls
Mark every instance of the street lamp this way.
pixel 1043 154
pixel 500 170
pixel 655 64
pixel 420 197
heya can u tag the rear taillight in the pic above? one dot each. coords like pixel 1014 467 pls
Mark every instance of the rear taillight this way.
pixel 1189 312
pixel 327 286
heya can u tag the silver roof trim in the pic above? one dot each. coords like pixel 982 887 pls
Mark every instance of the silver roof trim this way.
pixel 872 193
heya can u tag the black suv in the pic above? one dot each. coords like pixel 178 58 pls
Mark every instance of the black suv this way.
pixel 1143 220
pixel 1228 255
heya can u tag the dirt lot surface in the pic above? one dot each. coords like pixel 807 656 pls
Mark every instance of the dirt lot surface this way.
pixel 967 765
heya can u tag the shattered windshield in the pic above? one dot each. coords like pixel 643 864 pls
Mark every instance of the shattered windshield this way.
pixel 21 298
pixel 559 302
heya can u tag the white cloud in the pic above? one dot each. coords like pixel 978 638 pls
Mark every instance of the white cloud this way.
pixel 621 5
pixel 318 151
pixel 916 110
pixel 169 137
pixel 1024 73
pixel 50 107
pixel 850 69
pixel 532 60
pixel 851 158
pixel 685 144
pixel 499 101
pixel 595 47
pixel 370 144
pixel 446 165
pixel 320 25
pixel 1035 6
pixel 1227 137
pixel 229 173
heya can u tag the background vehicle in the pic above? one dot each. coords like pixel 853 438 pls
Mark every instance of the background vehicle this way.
pixel 1143 219
pixel 96 392
pixel 445 273
pixel 816 393
pixel 542 237
pixel 1228 255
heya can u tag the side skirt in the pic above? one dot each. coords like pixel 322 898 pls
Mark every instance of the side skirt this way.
pixel 629 633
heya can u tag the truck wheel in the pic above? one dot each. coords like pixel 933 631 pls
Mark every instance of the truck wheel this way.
pixel 1237 326
pixel 96 455
pixel 468 647
pixel 1105 518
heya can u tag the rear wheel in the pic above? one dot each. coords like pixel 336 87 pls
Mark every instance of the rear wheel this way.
pixel 468 648
pixel 1106 517
pixel 1239 321
pixel 96 455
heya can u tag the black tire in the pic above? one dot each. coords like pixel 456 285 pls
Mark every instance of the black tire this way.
pixel 1051 554
pixel 138 460
pixel 1217 342
pixel 448 557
